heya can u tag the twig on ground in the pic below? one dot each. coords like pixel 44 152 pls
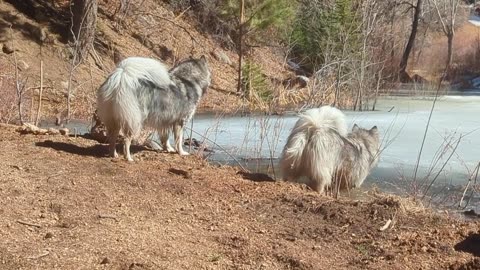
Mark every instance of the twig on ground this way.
pixel 29 224
pixel 181 13
pixel 108 217
pixel 468 185
pixel 387 224
pixel 46 253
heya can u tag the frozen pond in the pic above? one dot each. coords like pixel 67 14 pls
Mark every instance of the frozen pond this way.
pixel 449 157
pixel 257 141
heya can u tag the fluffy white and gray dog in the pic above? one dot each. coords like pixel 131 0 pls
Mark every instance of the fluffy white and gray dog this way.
pixel 141 91
pixel 320 150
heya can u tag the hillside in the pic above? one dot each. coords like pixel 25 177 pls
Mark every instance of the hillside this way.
pixel 154 30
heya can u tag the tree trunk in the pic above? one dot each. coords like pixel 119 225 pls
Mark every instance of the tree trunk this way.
pixel 240 47
pixel 392 30
pixel 84 19
pixel 411 41
pixel 450 50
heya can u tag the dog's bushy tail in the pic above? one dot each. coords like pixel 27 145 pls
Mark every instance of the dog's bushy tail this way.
pixel 311 139
pixel 325 117
pixel 118 105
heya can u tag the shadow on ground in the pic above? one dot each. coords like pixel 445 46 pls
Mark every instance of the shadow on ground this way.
pixel 97 150
pixel 256 177
pixel 471 245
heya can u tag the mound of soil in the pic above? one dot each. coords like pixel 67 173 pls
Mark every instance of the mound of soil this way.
pixel 65 205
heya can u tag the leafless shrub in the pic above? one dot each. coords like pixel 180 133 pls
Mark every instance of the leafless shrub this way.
pixel 8 102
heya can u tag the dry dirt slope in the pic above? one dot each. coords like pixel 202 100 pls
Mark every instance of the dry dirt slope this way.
pixel 152 30
pixel 66 206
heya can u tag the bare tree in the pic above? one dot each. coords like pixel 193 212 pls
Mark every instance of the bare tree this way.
pixel 370 14
pixel 411 40
pixel 20 87
pixel 84 20
pixel 241 27
pixel 82 30
pixel 447 12
pixel 20 84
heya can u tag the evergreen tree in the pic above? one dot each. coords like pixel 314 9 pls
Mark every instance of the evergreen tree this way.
pixel 325 31
pixel 252 16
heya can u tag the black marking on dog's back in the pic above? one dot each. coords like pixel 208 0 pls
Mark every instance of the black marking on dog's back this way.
pixel 155 87
pixel 149 84
pixel 191 89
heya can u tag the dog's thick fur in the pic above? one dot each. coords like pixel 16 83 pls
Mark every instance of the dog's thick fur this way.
pixel 141 91
pixel 320 149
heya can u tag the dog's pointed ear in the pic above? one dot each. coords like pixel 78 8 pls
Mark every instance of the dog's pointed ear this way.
pixel 203 58
pixel 374 130
pixel 355 128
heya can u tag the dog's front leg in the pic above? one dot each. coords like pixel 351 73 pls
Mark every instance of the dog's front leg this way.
pixel 178 132
pixel 126 148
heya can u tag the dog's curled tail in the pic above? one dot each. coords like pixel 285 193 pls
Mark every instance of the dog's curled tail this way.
pixel 314 128
pixel 325 117
pixel 117 103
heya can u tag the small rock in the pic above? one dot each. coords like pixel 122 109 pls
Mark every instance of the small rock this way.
pixel 64 85
pixel 28 128
pixel 7 49
pixel 389 257
pixel 64 131
pixel 53 131
pixel 17 167
pixel 48 235
pixel 117 56
pixel 148 43
pixel 105 261
pixel 291 238
pixel 40 33
pixel 41 131
pixel 164 52
pixel 222 57
pixel 22 65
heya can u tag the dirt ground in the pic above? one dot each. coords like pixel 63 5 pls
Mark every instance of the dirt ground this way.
pixel 65 205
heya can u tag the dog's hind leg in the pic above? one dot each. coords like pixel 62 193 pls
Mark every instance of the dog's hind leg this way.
pixel 163 132
pixel 178 133
pixel 126 148
pixel 112 140
pixel 319 183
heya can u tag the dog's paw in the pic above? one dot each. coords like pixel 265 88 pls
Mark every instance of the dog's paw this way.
pixel 183 153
